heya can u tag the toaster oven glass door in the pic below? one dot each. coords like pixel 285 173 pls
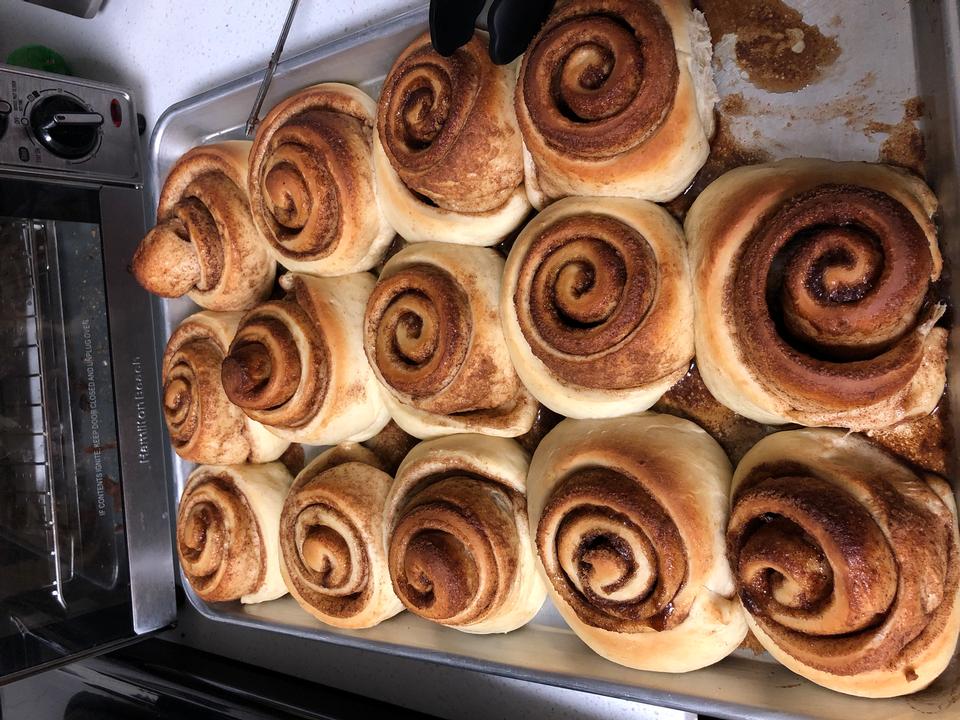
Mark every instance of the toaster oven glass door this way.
pixel 65 580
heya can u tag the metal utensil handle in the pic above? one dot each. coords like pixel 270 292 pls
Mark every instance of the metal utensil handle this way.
pixel 271 68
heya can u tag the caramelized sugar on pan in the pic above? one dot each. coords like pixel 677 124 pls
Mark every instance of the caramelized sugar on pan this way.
pixel 904 145
pixel 725 154
pixel 775 47
pixel 924 442
pixel 690 399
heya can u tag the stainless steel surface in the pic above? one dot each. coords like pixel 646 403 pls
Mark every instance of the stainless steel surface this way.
pixel 80 425
pixel 743 685
pixel 36 459
pixel 81 8
pixel 442 690
pixel 936 26
pixel 63 551
pixel 84 526
pixel 73 256
pixel 59 455
pixel 115 156
pixel 270 70
pixel 139 423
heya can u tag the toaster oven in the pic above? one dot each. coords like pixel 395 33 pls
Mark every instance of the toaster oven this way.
pixel 85 553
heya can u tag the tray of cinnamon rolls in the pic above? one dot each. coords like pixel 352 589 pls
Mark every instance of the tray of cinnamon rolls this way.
pixel 586 368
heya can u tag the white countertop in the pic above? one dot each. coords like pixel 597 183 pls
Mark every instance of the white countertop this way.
pixel 166 51
pixel 169 50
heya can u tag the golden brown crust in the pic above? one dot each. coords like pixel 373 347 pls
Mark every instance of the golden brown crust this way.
pixel 226 531
pixel 597 306
pixel 433 337
pixel 862 251
pixel 456 534
pixel 595 275
pixel 610 67
pixel 813 282
pixel 204 426
pixel 332 539
pixel 442 119
pixel 453 167
pixel 609 100
pixel 596 566
pixel 846 561
pixel 266 366
pixel 205 243
pixel 311 182
pixel 459 552
pixel 423 330
pixel 628 516
pixel 297 366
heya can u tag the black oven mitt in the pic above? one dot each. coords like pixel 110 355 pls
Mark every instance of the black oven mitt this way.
pixel 511 24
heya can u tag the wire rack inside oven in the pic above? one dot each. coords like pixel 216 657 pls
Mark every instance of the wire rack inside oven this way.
pixel 37 523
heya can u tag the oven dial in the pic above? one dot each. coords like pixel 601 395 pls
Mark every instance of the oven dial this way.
pixel 5 110
pixel 65 127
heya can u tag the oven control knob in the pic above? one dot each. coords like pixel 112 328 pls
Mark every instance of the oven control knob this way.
pixel 5 110
pixel 65 127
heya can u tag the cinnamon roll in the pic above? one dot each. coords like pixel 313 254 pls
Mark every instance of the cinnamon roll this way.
pixel 615 98
pixel 205 244
pixel 297 364
pixel 447 150
pixel 205 427
pixel 228 531
pixel 333 556
pixel 311 182
pixel 628 516
pixel 597 307
pixel 459 551
pixel 814 297
pixel 847 562
pixel 432 335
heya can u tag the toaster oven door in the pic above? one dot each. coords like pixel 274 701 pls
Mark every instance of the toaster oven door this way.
pixel 85 559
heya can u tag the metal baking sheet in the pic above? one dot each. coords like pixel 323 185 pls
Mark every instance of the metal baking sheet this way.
pixel 892 51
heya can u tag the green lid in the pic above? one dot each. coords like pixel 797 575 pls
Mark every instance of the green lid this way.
pixel 38 57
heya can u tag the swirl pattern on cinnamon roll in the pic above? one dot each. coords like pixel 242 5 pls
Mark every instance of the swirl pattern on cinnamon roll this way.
pixel 205 243
pixel 628 516
pixel 597 307
pixel 433 337
pixel 459 551
pixel 615 98
pixel 297 364
pixel 846 561
pixel 448 150
pixel 813 288
pixel 228 531
pixel 333 556
pixel 204 426
pixel 311 182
